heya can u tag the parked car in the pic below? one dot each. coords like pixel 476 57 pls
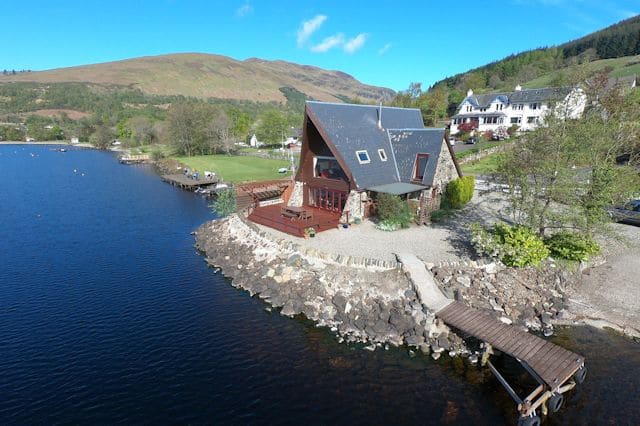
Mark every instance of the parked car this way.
pixel 470 141
pixel 628 213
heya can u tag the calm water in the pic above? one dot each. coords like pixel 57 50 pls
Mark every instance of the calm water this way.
pixel 108 315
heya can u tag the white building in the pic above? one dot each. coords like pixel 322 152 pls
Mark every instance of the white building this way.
pixel 254 142
pixel 525 108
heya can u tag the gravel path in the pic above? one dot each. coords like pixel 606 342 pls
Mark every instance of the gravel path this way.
pixel 435 243
pixel 609 292
pixel 612 291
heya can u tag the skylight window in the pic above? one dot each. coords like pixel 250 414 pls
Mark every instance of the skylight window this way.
pixel 363 157
pixel 382 154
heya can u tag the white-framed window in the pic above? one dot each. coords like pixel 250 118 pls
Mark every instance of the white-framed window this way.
pixel 382 154
pixel 363 157
pixel 534 106
pixel 516 120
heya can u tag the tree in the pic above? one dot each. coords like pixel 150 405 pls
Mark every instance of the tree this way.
pixel 122 131
pixel 102 137
pixel 225 203
pixel 564 174
pixel 240 123
pixel 141 129
pixel 198 128
pixel 272 127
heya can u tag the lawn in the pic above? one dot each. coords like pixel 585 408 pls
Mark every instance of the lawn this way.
pixel 486 165
pixel 237 168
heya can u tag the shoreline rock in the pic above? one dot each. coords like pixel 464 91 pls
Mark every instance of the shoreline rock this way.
pixel 365 304
pixel 372 302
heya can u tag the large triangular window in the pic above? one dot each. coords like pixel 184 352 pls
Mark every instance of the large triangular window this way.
pixel 420 166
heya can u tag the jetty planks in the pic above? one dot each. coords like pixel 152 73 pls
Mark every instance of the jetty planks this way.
pixel 554 364
pixel 186 182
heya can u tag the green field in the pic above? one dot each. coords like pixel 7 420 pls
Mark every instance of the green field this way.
pixel 237 168
pixel 486 165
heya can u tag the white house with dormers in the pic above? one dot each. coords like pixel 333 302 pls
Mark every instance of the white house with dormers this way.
pixel 525 108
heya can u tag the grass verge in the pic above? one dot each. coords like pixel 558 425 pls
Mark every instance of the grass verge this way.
pixel 237 168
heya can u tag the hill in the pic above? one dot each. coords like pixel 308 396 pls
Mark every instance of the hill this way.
pixel 213 76
pixel 539 66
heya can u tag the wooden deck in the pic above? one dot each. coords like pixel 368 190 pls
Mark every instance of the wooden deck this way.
pixel 186 182
pixel 272 217
pixel 553 364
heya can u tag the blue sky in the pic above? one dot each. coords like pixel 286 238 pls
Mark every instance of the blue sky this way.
pixel 386 43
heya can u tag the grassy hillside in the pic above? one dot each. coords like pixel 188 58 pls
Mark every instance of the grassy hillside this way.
pixel 212 76
pixel 616 67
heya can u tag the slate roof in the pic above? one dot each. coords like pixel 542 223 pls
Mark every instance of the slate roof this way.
pixel 408 143
pixel 352 128
pixel 519 96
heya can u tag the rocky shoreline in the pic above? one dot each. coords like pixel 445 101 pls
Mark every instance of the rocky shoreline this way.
pixel 374 303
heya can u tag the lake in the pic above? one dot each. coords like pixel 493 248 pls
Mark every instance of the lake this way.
pixel 109 315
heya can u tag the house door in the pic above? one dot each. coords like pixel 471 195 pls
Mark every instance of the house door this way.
pixel 327 199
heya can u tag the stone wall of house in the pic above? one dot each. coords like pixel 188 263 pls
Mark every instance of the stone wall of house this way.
pixel 354 205
pixel 296 195
pixel 445 171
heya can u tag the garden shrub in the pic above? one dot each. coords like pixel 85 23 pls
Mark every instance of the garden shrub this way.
pixel 513 245
pixel 440 215
pixel 459 192
pixel 571 246
pixel 157 155
pixel 225 203
pixel 393 210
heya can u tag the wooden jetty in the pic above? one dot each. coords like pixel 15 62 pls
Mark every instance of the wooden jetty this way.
pixel 549 364
pixel 555 369
pixel 134 159
pixel 186 182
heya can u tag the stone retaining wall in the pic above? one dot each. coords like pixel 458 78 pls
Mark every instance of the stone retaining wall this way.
pixel 355 297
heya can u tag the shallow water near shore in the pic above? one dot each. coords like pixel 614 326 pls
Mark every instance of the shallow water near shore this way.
pixel 108 314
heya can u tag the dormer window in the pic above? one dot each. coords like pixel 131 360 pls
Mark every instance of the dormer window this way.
pixel 363 157
pixel 420 166
pixel 382 154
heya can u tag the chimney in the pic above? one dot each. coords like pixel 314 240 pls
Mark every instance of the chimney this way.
pixel 380 118
pixel 518 88
pixel 469 92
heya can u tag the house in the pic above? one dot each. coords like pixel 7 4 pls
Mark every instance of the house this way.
pixel 525 108
pixel 351 153
pixel 254 142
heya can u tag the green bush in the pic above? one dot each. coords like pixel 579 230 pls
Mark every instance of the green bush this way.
pixel 571 246
pixel 393 210
pixel 225 204
pixel 513 245
pixel 440 215
pixel 459 192
pixel 157 154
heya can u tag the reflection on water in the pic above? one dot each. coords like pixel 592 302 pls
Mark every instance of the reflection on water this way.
pixel 107 314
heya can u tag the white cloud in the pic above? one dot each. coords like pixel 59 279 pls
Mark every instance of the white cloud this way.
pixel 309 27
pixel 355 43
pixel 244 10
pixel 328 43
pixel 384 49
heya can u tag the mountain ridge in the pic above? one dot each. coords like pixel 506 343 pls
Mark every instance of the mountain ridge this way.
pixel 204 75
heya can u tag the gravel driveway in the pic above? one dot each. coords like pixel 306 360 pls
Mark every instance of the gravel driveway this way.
pixel 612 291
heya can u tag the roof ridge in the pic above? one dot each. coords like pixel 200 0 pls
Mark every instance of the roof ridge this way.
pixel 360 105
